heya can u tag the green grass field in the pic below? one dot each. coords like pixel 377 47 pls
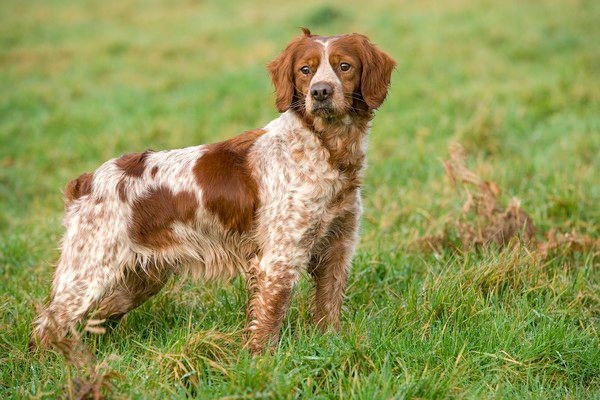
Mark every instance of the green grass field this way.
pixel 517 83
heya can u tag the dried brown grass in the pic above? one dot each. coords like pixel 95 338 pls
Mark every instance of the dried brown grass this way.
pixel 204 353
pixel 91 378
pixel 483 220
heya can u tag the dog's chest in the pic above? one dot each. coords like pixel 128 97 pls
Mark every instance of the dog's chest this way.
pixel 331 193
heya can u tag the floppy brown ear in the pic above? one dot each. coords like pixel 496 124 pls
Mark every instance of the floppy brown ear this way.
pixel 281 70
pixel 377 69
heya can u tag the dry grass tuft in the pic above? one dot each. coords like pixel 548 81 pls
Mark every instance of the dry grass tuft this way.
pixel 492 223
pixel 484 221
pixel 200 356
pixel 91 378
pixel 95 379
pixel 557 243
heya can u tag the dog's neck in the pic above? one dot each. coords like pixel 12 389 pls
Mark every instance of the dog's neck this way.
pixel 345 138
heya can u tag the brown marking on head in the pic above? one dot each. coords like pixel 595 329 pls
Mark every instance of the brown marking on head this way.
pixel 133 164
pixel 363 86
pixel 375 70
pixel 283 70
pixel 154 213
pixel 228 189
pixel 78 187
pixel 121 190
pixel 153 171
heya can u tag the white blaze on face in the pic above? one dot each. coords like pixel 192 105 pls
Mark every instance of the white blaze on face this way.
pixel 325 73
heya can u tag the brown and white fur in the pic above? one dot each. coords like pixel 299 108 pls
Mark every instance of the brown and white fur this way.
pixel 268 203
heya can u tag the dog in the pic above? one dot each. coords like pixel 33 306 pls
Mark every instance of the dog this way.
pixel 269 203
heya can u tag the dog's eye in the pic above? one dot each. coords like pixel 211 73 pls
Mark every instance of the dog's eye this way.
pixel 345 66
pixel 305 70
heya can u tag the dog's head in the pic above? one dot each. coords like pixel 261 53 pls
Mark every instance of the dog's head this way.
pixel 330 76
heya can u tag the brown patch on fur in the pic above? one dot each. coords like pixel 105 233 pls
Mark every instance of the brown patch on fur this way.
pixel 133 164
pixel 330 278
pixel 298 155
pixel 121 190
pixel 154 171
pixel 283 71
pixel 344 153
pixel 81 186
pixel 376 67
pixel 346 196
pixel 228 189
pixel 342 142
pixel 153 215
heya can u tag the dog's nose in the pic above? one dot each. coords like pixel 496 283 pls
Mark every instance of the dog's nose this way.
pixel 321 91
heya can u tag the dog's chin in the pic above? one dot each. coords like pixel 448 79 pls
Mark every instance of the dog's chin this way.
pixel 326 112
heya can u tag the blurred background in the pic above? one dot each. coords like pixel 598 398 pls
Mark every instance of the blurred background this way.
pixel 85 81
pixel 515 82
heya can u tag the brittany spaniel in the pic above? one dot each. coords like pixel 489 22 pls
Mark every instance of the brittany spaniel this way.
pixel 267 203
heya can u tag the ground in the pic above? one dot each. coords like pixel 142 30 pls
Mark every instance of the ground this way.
pixel 516 83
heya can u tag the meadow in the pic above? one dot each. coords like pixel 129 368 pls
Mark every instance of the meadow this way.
pixel 516 83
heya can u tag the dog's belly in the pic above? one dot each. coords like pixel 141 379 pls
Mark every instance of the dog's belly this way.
pixel 205 250
pixel 214 252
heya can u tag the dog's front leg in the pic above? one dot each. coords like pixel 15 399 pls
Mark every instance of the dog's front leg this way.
pixel 270 292
pixel 329 265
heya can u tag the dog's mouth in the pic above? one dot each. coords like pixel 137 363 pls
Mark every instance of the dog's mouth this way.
pixel 323 110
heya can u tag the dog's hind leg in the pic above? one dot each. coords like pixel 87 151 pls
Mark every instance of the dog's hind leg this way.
pixel 137 285
pixel 88 268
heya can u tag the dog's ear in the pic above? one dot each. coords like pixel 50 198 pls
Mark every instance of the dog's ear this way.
pixel 281 70
pixel 377 69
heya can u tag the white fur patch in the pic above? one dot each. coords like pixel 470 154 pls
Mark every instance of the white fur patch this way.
pixel 325 73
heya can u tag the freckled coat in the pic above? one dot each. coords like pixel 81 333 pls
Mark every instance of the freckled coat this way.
pixel 269 188
pixel 267 203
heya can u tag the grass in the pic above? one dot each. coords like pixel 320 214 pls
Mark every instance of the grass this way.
pixel 515 82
